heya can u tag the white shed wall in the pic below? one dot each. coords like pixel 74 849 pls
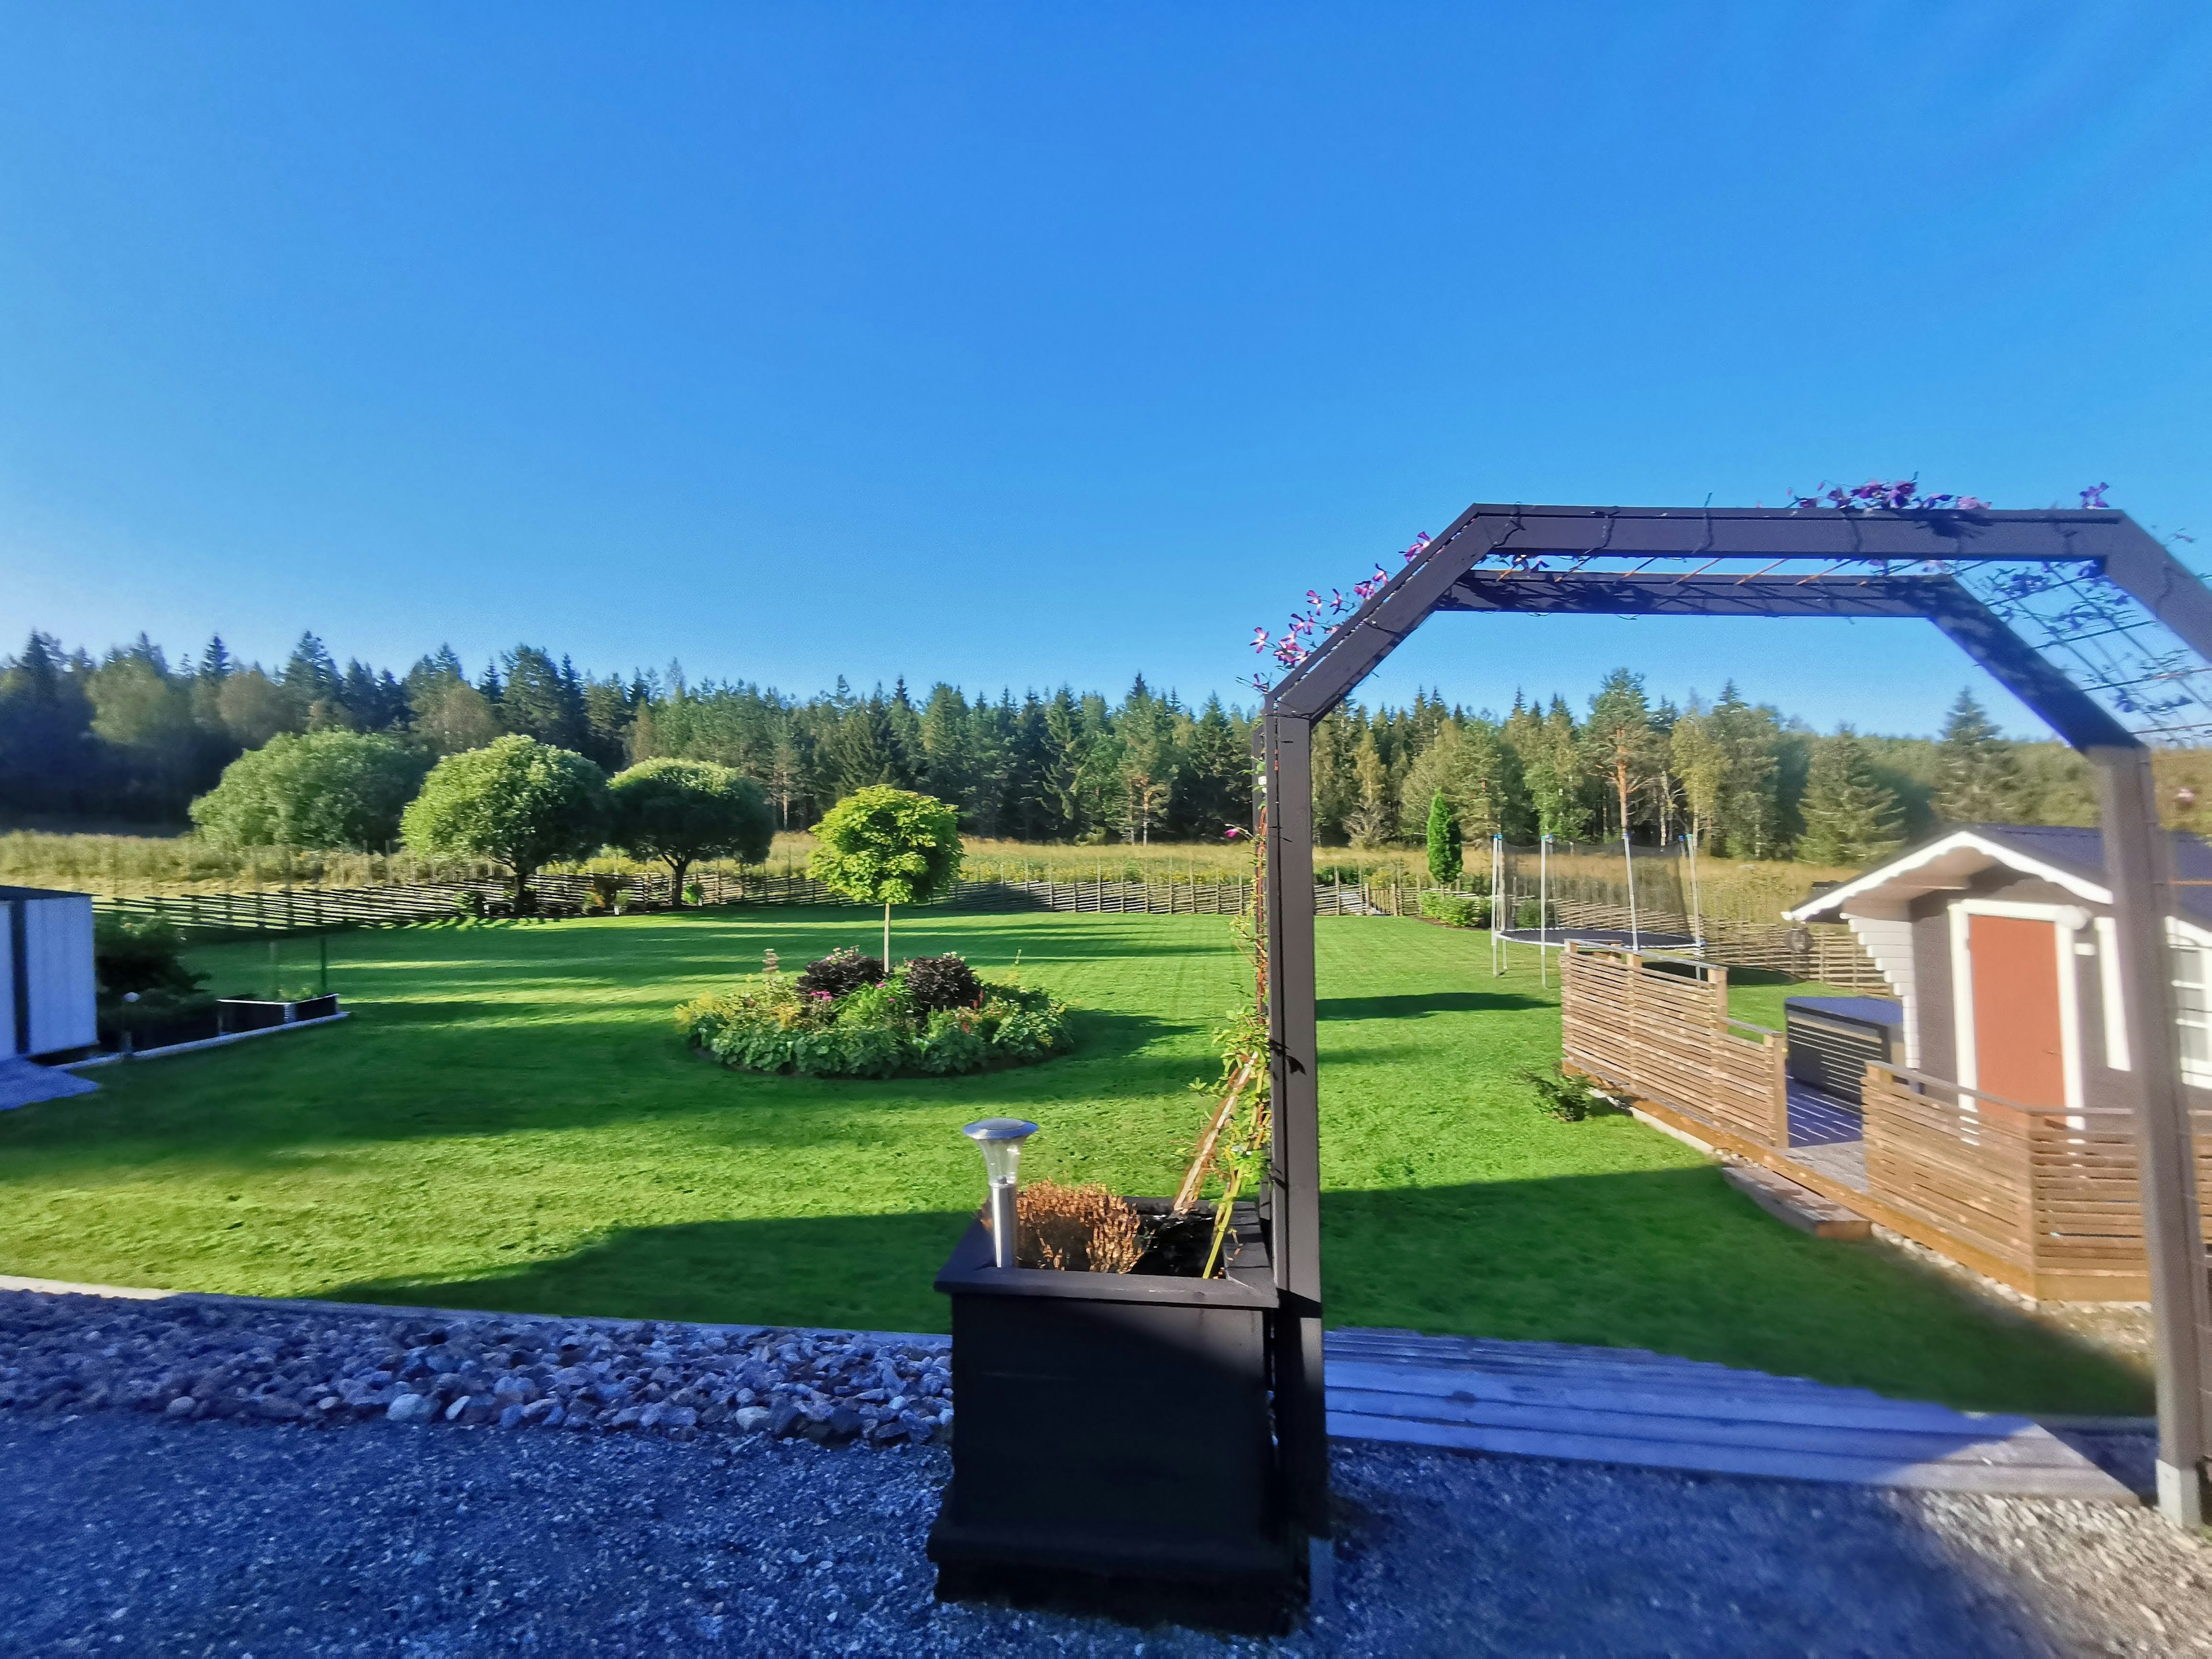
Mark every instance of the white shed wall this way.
pixel 7 980
pixel 58 969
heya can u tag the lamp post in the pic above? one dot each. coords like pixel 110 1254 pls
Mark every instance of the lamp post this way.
pixel 1001 1139
pixel 130 1023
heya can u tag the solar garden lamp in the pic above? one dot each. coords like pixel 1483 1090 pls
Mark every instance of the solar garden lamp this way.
pixel 1000 1138
pixel 130 1023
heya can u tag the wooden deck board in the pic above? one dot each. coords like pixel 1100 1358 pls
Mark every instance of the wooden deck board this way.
pixel 1629 1407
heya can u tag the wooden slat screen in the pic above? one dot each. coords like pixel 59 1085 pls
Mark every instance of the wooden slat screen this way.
pixel 1667 1036
pixel 2052 1193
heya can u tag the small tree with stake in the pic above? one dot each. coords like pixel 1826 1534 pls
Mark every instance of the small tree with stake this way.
pixel 886 846
pixel 518 802
pixel 678 811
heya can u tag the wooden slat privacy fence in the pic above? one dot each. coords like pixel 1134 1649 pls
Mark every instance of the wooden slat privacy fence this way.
pixel 1664 1034
pixel 2050 1193
pixel 2041 1199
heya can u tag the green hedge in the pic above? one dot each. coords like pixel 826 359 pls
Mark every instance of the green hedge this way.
pixel 770 1026
pixel 1456 910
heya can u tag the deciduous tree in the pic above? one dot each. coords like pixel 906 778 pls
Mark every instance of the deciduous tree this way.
pixel 518 801
pixel 682 811
pixel 886 846
pixel 319 789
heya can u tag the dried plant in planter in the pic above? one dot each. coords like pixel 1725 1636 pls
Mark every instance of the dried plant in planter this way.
pixel 1078 1230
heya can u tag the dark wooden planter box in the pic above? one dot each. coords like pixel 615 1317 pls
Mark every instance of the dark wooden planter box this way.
pixel 251 1014
pixel 1115 1444
pixel 160 1034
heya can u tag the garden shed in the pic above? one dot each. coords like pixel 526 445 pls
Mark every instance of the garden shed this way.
pixel 2000 943
pixel 47 982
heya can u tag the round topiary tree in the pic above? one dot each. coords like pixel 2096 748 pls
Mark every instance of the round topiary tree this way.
pixel 516 800
pixel 886 846
pixel 677 810
pixel 322 789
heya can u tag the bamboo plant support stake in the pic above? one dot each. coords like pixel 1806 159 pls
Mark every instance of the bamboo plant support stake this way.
pixel 1187 1194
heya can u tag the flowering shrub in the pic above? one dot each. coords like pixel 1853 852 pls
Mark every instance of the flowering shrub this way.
pixel 879 1029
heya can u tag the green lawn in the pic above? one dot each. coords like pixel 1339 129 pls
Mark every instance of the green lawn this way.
pixel 509 1120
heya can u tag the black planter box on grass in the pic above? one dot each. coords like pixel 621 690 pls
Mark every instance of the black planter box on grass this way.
pixel 1115 1444
pixel 195 1027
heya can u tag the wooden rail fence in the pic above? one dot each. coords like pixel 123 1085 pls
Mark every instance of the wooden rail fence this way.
pixel 302 910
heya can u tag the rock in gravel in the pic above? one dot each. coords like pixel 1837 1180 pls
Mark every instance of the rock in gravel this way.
pixel 412 1408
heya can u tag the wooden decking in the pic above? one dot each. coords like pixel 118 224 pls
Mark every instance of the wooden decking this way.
pixel 1627 1406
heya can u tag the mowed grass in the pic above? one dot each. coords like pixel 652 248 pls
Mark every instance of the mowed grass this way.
pixel 510 1121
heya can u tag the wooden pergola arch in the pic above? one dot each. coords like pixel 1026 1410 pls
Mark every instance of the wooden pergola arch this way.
pixel 1753 562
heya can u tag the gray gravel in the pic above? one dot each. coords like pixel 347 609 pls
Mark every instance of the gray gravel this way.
pixel 193 1358
pixel 135 1532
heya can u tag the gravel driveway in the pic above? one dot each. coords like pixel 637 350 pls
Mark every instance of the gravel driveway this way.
pixel 133 1534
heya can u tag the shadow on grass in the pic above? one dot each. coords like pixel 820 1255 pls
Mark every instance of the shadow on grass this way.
pixel 1673 1260
pixel 1426 1003
pixel 473 1068
pixel 1678 1261
pixel 867 1272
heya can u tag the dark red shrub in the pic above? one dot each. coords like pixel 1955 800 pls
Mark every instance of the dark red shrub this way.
pixel 839 974
pixel 945 982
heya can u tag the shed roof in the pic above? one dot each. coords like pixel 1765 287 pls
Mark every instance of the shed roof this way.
pixel 2067 857
pixel 41 893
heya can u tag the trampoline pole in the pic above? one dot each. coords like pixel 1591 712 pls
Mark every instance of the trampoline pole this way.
pixel 1696 909
pixel 1543 908
pixel 1497 871
pixel 1628 853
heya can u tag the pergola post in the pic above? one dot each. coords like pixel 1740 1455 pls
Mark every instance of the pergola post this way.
pixel 1301 1402
pixel 2138 861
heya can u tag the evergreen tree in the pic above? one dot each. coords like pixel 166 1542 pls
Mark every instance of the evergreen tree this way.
pixel 1979 779
pixel 865 748
pixel 1748 818
pixel 313 688
pixel 1148 761
pixel 1374 822
pixel 1701 763
pixel 1849 818
pixel 1446 848
pixel 542 699
pixel 947 754
pixel 1217 792
pixel 1622 749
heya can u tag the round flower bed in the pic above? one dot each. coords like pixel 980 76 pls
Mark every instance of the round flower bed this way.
pixel 845 1016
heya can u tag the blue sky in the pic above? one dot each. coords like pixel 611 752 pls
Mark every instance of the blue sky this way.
pixel 1011 344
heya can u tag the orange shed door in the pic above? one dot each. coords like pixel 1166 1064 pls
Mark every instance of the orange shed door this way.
pixel 2019 1041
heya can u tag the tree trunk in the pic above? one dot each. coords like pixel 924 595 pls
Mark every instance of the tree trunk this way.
pixel 521 889
pixel 887 939
pixel 677 867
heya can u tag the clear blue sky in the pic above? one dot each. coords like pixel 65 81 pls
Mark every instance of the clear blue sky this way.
pixel 1016 343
